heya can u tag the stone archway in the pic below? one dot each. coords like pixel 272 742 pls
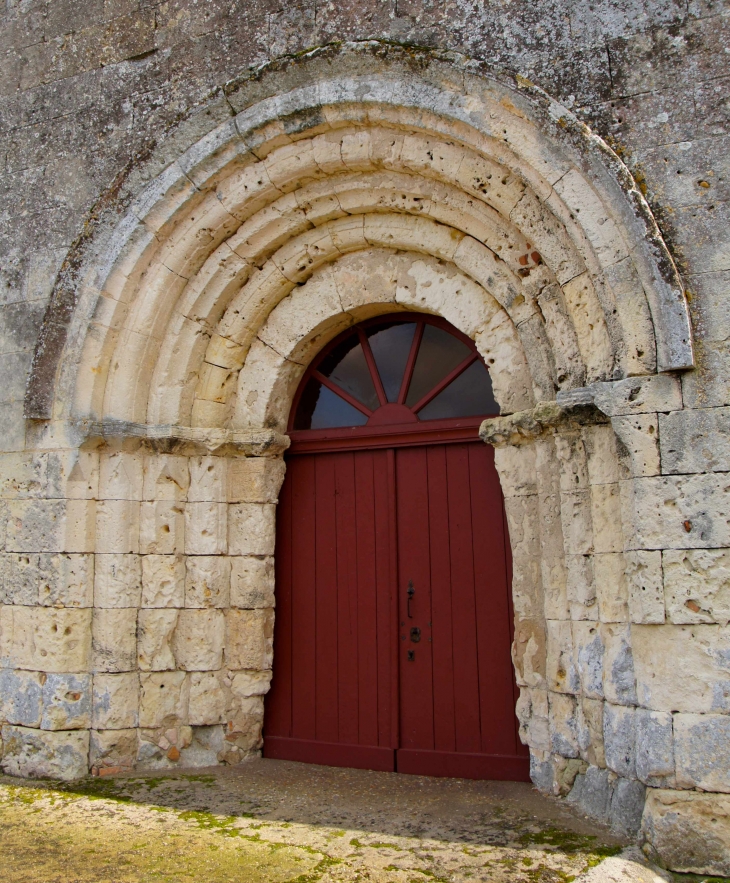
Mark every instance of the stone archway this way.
pixel 350 182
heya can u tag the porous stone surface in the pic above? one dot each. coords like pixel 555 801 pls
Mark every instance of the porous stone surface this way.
pixel 195 205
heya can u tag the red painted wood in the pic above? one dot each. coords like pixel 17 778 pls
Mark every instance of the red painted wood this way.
pixel 502 768
pixel 325 524
pixel 363 757
pixel 372 367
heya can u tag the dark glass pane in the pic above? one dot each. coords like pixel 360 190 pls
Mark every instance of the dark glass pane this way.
pixel 320 408
pixel 391 345
pixel 439 353
pixel 470 395
pixel 347 367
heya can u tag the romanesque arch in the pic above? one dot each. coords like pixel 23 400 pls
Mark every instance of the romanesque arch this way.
pixel 351 183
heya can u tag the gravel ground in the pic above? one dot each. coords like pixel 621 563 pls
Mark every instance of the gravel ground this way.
pixel 277 821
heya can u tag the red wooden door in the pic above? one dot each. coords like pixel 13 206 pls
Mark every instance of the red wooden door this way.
pixel 393 621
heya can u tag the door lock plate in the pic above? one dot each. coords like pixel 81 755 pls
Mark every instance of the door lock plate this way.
pixel 415 635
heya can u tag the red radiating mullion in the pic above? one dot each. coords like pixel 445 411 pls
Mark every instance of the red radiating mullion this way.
pixel 351 400
pixel 408 373
pixel 374 373
pixel 445 382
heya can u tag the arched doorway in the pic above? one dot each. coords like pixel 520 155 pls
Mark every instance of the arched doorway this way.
pixel 393 627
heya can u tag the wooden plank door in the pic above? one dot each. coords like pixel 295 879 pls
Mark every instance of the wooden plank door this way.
pixel 457 691
pixel 334 693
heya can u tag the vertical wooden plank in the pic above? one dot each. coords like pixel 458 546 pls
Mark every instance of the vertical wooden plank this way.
pixel 493 613
pixel 416 677
pixel 388 613
pixel 442 629
pixel 303 599
pixel 327 727
pixel 277 713
pixel 366 575
pixel 466 683
pixel 347 625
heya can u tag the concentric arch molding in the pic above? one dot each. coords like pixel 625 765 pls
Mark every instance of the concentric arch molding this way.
pixel 485 158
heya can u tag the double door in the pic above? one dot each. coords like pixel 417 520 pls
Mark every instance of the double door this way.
pixel 393 621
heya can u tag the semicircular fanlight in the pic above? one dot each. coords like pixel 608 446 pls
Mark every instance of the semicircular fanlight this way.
pixel 395 371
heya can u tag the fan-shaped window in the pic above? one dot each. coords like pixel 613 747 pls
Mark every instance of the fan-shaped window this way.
pixel 395 371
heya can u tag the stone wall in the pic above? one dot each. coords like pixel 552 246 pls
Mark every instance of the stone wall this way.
pixel 137 490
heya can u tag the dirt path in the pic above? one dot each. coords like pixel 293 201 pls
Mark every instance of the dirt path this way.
pixel 277 821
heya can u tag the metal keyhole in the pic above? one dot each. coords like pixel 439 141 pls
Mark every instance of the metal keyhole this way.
pixel 415 635
pixel 411 655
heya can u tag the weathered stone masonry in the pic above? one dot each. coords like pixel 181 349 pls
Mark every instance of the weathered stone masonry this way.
pixel 138 493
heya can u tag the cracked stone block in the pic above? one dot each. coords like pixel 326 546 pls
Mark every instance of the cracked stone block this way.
pixel 251 529
pixel 120 476
pixel 117 581
pixel 163 581
pixel 646 587
pixel 209 699
pixel 113 751
pixel 66 702
pixel 48 579
pixel 562 669
pixel 199 640
pixel 588 653
pixel 207 581
pixel 205 528
pixel 163 700
pixel 563 724
pixel 45 638
pixel 166 477
pixel 21 697
pixel 697 585
pixel 155 633
pixel 609 574
pixel 44 753
pixel 161 528
pixel 591 793
pixel 589 722
pixel 208 482
pixel 627 805
pixel 114 639
pixel 619 681
pixel 249 639
pixel 117 527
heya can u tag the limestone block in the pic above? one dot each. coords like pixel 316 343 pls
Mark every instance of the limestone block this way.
pixel 627 805
pixel 676 512
pixel 552 558
pixel 249 639
pixel 117 526
pixel 528 652
pixel 21 697
pixel 115 701
pixel 697 585
pixel 208 480
pixel 205 528
pixel 588 653
pixel 207 747
pixel 562 669
pixel 702 751
pixel 161 528
pixel 49 579
pixel 43 753
pixel 606 517
pixel 66 702
pixel 45 638
pixel 638 444
pixel 207 581
pixel 198 640
pixel 517 470
pixel 563 724
pixel 163 700
pixel 113 751
pixel 163 581
pixel 589 724
pixel 532 713
pixel 251 529
pixel 572 458
pixel 50 526
pixel 575 515
pixel 245 723
pixel 602 454
pixel 252 683
pixel 609 574
pixel 619 680
pixel 580 587
pixel 166 477
pixel 638 395
pixel 117 581
pixel 698 652
pixel 81 472
pixel 120 476
pixel 646 587
pixel 155 633
pixel 592 793
pixel 255 479
pixel 690 831
pixel 654 748
pixel 524 533
pixel 252 582
pixel 695 441
pixel 114 641
pixel 619 739
pixel 209 699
